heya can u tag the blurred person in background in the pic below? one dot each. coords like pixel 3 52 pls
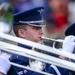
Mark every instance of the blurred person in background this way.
pixel 15 5
pixel 1 1
pixel 38 3
pixel 71 9
pixel 58 11
pixel 21 5
pixel 24 5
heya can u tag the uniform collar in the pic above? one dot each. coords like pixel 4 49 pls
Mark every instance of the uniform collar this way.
pixel 24 46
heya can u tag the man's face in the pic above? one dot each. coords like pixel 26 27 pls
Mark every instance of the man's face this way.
pixel 33 33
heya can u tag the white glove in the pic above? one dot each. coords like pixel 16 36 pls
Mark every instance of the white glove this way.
pixel 68 44
pixel 4 63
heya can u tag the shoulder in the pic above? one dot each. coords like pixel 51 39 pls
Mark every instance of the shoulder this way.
pixel 19 59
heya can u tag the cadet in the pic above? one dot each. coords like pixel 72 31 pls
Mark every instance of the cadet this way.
pixel 68 44
pixel 26 26
pixel 69 39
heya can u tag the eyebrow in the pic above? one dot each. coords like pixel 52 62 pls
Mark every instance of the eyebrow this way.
pixel 36 27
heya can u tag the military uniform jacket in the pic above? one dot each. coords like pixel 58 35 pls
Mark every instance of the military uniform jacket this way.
pixel 25 61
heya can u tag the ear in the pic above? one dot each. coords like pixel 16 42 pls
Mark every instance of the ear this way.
pixel 21 33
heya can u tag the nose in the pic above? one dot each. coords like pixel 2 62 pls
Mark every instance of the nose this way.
pixel 40 31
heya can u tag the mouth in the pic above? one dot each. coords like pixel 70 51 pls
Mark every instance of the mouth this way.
pixel 40 38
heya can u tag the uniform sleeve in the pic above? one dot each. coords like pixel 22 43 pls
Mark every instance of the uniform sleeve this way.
pixel 62 71
pixel 51 70
pixel 12 71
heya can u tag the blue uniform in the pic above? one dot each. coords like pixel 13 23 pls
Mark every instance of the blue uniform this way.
pixel 25 61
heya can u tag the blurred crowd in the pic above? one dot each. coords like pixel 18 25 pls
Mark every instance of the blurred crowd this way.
pixel 57 15
pixel 22 5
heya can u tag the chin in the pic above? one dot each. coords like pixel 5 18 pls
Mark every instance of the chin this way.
pixel 40 41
